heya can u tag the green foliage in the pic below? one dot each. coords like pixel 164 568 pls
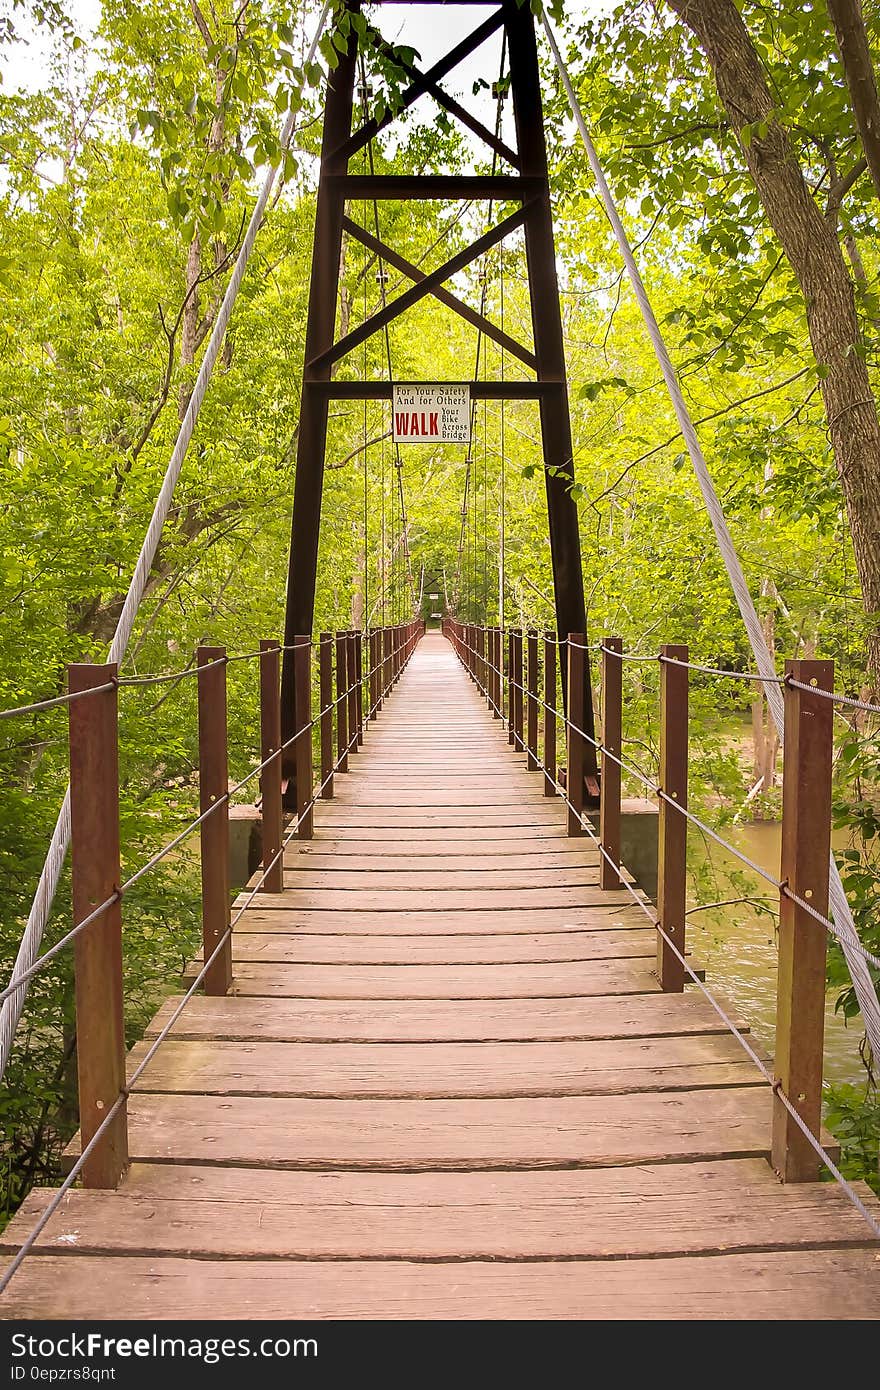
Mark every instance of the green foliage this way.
pixel 853 1115
pixel 857 810
pixel 120 172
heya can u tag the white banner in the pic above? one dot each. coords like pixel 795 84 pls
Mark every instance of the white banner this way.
pixel 424 414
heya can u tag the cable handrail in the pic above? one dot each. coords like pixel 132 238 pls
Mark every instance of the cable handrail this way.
pixel 624 875
pixel 656 790
pixel 129 1088
pixel 118 894
pixel 164 677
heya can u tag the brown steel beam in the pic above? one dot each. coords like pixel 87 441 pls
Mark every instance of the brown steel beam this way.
pixel 389 312
pixel 462 114
pixel 496 188
pixel 312 438
pixel 463 49
pixel 471 316
pixel 480 390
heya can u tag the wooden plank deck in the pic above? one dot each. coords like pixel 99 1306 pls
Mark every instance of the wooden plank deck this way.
pixel 446 1086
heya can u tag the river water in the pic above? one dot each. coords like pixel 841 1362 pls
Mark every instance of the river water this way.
pixel 738 949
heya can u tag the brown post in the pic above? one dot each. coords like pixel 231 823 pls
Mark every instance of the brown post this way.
pixel 532 763
pixel 352 691
pixel 481 660
pixel 574 777
pixel 341 702
pixel 518 704
pixel 214 832
pixel 672 832
pixel 270 777
pixel 303 745
pixel 375 673
pixel 499 673
pixel 387 641
pixel 612 740
pixel 806 847
pixel 94 821
pixel 550 713
pixel 511 704
pixel 359 676
pixel 325 687
pixel 491 663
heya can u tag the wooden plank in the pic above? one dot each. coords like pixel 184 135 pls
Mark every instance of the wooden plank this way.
pixel 651 1210
pixel 390 899
pixel 776 1286
pixel 379 858
pixel 474 878
pixel 539 980
pixel 395 1070
pixel 463 1020
pixel 276 916
pixel 427 835
pixel 365 795
pixel 416 1135
pixel 336 814
pixel 448 772
pixel 373 949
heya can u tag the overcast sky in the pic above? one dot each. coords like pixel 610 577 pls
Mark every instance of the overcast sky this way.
pixel 425 28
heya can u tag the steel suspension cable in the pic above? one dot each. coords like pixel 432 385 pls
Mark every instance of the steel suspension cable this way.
pixel 60 841
pixel 859 973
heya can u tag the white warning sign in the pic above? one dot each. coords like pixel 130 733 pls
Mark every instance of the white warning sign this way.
pixel 431 414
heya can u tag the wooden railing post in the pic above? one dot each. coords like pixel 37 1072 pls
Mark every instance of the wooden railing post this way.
pixel 519 741
pixel 214 832
pixel 511 702
pixel 612 740
pixel 94 822
pixel 325 688
pixel 574 776
pixel 302 675
pixel 482 634
pixel 359 677
pixel 270 777
pixel 491 672
pixel 549 721
pixel 672 832
pixel 532 701
pixel 351 671
pixel 806 848
pixel 386 660
pixel 375 673
pixel 341 702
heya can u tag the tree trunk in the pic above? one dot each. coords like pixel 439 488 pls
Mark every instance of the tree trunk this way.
pixel 852 40
pixel 810 242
